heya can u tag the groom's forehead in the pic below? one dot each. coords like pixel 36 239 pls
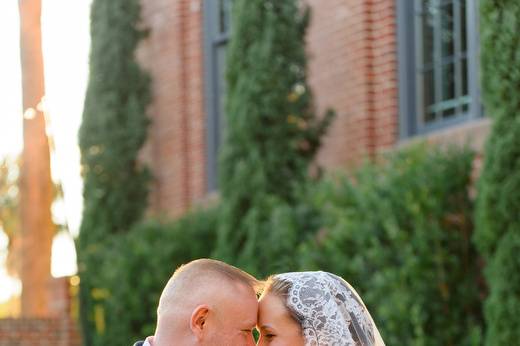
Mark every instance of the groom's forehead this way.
pixel 245 297
pixel 242 300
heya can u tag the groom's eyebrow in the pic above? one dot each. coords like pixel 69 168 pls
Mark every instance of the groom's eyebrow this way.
pixel 249 325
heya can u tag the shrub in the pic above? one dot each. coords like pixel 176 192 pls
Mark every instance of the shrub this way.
pixel 400 233
pixel 137 266
pixel 498 207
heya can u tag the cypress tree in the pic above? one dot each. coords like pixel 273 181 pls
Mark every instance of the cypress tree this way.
pixel 112 132
pixel 498 204
pixel 273 133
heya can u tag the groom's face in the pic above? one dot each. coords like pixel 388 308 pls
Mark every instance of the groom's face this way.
pixel 233 321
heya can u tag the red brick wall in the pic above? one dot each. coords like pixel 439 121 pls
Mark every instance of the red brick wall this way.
pixel 57 328
pixel 353 69
pixel 38 332
pixel 59 297
pixel 176 147
pixel 384 73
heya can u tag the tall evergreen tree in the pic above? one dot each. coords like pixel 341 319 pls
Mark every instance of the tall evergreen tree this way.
pixel 498 208
pixel 273 133
pixel 112 132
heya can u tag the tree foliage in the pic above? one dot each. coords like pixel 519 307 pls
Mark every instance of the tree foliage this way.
pixel 497 217
pixel 112 132
pixel 273 131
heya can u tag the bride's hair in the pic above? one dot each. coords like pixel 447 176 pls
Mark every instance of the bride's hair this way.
pixel 281 288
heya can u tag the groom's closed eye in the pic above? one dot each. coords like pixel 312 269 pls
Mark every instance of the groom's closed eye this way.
pixel 248 329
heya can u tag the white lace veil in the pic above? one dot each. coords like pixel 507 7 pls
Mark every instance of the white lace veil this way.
pixel 329 310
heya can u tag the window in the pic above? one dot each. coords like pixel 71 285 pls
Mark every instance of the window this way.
pixel 216 15
pixel 438 64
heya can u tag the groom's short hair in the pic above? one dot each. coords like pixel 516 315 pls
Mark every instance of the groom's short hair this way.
pixel 188 277
pixel 219 268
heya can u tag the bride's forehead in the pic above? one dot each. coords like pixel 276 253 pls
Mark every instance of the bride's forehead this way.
pixel 271 308
pixel 271 301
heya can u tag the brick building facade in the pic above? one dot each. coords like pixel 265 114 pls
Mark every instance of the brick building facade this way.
pixel 58 327
pixel 395 71
pixel 38 332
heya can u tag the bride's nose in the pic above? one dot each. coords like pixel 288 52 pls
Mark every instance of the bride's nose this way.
pixel 251 340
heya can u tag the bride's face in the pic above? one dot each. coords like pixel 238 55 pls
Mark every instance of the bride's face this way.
pixel 277 327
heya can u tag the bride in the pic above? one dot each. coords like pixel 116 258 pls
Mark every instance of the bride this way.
pixel 314 309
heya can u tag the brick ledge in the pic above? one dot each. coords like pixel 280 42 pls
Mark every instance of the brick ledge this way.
pixel 472 133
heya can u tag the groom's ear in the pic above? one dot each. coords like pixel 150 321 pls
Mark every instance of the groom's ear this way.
pixel 198 320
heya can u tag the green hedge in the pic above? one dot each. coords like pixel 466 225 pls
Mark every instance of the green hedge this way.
pixel 138 264
pixel 400 233
pixel 498 211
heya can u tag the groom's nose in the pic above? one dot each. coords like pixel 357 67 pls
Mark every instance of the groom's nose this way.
pixel 251 341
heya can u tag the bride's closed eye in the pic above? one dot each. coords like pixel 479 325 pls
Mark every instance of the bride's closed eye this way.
pixel 267 332
pixel 268 336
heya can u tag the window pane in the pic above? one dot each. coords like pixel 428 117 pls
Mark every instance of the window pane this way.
pixel 222 87
pixel 428 96
pixel 447 30
pixel 449 103
pixel 448 113
pixel 429 116
pixel 464 81
pixel 428 6
pixel 224 14
pixel 448 82
pixel 428 21
pixel 463 34
pixel 429 88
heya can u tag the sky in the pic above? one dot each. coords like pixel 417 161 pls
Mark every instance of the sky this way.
pixel 66 42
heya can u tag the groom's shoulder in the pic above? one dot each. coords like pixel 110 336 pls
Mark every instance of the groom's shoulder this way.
pixel 139 343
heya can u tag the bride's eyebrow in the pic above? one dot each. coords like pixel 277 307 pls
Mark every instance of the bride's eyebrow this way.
pixel 266 326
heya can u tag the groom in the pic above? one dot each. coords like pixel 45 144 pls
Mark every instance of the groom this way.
pixel 206 302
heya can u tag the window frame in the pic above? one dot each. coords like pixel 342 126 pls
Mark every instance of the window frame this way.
pixel 410 90
pixel 213 39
